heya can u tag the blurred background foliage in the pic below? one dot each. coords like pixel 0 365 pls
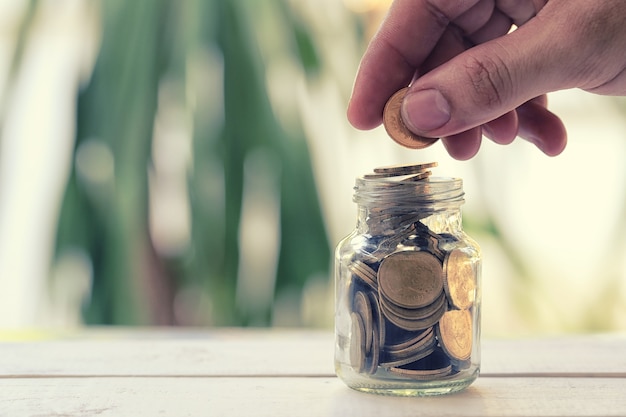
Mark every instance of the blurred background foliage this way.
pixel 167 125
pixel 169 162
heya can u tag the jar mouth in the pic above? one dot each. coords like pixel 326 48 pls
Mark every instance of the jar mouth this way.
pixel 436 193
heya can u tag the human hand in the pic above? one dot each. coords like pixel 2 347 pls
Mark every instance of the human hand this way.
pixel 470 76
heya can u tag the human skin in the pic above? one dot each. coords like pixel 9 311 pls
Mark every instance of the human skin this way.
pixel 471 75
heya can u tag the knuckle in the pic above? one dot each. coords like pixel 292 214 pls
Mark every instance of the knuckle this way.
pixel 437 13
pixel 490 80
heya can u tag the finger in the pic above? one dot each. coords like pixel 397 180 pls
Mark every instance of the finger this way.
pixel 520 11
pixel 464 145
pixel 505 129
pixel 450 45
pixel 487 81
pixel 538 4
pixel 541 100
pixel 476 17
pixel 406 37
pixel 541 127
pixel 498 25
pixel 616 86
pixel 502 130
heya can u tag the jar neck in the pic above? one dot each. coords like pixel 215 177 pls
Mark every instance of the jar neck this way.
pixel 388 207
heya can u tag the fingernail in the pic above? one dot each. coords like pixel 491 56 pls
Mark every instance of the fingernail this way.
pixel 425 110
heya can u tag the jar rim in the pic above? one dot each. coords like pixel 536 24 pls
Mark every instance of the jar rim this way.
pixel 440 192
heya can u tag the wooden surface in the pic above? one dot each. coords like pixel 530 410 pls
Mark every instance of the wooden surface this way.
pixel 156 372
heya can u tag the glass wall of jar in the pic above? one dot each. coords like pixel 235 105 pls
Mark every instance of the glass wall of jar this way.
pixel 407 283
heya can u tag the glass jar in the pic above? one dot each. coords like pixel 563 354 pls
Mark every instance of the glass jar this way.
pixel 407 285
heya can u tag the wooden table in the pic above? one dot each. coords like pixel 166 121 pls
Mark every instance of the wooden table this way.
pixel 234 372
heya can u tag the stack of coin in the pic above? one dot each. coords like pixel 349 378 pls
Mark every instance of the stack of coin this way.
pixel 410 288
pixel 434 366
pixel 455 327
pixel 412 294
pixel 364 273
pixel 412 350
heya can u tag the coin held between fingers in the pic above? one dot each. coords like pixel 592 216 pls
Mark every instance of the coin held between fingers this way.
pixel 395 127
pixel 425 110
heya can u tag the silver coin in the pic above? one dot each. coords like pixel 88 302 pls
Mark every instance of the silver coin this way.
pixel 363 308
pixel 357 343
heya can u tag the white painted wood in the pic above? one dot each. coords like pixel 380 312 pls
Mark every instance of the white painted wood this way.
pixel 576 355
pixel 300 397
pixel 276 352
pixel 209 353
pixel 234 372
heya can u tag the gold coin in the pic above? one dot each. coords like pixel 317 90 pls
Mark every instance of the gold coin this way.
pixel 411 279
pixel 396 128
pixel 455 334
pixel 459 279
pixel 405 169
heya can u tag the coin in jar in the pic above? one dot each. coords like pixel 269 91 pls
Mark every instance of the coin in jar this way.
pixel 459 279
pixel 454 332
pixel 379 318
pixel 365 273
pixel 395 127
pixel 373 357
pixel 363 307
pixel 421 349
pixel 357 343
pixel 413 324
pixel 411 279
pixel 436 365
pixel 417 313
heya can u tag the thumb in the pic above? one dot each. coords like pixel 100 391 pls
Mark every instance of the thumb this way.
pixel 485 82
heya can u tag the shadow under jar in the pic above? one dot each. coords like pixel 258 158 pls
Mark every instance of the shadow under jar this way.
pixel 407 285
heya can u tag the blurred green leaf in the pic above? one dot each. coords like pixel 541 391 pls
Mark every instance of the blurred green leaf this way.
pixel 146 43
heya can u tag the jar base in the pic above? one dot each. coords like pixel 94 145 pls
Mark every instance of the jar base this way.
pixel 407 388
